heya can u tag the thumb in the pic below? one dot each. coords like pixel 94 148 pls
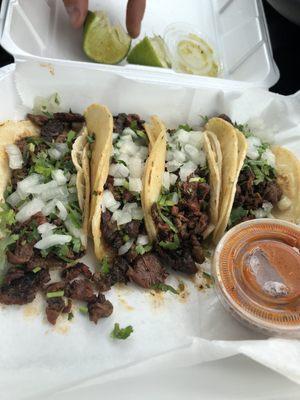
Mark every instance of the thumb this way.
pixel 77 10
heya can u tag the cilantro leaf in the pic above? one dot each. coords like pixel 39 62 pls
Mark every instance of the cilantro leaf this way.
pixel 91 138
pixel 133 125
pixel 185 127
pixel 75 215
pixel 244 129
pixel 170 245
pixel 167 221
pixel 121 333
pixel 162 287
pixel 236 215
pixel 143 249
pixel 71 136
pixel 76 245
pixel 7 217
pixel 105 267
pixel 4 243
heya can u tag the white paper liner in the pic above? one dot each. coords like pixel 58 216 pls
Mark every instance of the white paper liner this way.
pixel 36 358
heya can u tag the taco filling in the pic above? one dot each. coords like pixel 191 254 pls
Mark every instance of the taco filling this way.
pixel 122 218
pixel 257 190
pixel 42 218
pixel 181 214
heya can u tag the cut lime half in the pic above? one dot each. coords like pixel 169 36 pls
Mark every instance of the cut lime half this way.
pixel 152 52
pixel 103 42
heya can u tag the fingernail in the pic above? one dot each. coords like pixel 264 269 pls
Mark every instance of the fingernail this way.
pixel 74 14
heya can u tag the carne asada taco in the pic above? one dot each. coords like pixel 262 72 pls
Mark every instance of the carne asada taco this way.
pixel 44 212
pixel 265 183
pixel 120 238
pixel 181 195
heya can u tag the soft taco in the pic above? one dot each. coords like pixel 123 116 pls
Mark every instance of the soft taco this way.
pixel 181 195
pixel 119 232
pixel 45 194
pixel 258 180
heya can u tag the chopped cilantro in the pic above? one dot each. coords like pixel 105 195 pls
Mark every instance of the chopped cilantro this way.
pixel 141 134
pixel 51 295
pixel 75 215
pixel 126 184
pixel 133 125
pixel 42 166
pixel 244 129
pixel 76 245
pixel 204 119
pixel 171 245
pixel 261 169
pixel 197 179
pixel 185 127
pixel 126 238
pixel 143 249
pixel 236 215
pixel 8 191
pixel 36 270
pixel 7 217
pixel 121 333
pixel 167 221
pixel 162 287
pixel 71 136
pixel 91 138
pixel 121 162
pixel 83 310
pixel 105 267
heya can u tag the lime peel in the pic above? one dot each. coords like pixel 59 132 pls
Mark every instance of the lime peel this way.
pixel 152 52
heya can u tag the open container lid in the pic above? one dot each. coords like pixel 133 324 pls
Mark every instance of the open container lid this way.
pixel 39 30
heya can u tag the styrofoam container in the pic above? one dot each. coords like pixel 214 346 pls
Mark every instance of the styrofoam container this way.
pixel 40 30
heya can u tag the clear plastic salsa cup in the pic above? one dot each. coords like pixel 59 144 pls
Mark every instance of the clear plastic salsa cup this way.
pixel 256 268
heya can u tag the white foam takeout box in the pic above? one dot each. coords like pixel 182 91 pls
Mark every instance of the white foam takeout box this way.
pixel 48 58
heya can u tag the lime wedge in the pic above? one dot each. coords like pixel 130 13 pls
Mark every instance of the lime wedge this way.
pixel 150 51
pixel 103 42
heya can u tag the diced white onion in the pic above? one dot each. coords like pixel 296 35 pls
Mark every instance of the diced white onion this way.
pixel 182 136
pixel 142 239
pixel 72 181
pixel 129 207
pixel 129 131
pixel 175 198
pixel 59 177
pixel 46 229
pixel 14 156
pixel 166 180
pixel 269 156
pixel 136 167
pixel 54 154
pixel 123 249
pixel 118 171
pixel 43 187
pixel 121 217
pixel 74 231
pixel 137 213
pixel 115 136
pixel 62 148
pixel 29 209
pixel 263 212
pixel 179 156
pixel 173 165
pixel 27 183
pixel 194 154
pixel 119 181
pixel 14 199
pixel 63 213
pixel 135 185
pixel 284 203
pixel 143 152
pixel 129 148
pixel 253 144
pixel 52 240
pixel 173 179
pixel 186 170
pixel 49 208
pixel 109 202
pixel 60 193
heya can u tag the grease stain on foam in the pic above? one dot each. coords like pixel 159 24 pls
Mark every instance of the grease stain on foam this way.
pixel 202 280
pixel 50 68
pixel 31 310
pixel 157 298
pixel 124 303
pixel 183 292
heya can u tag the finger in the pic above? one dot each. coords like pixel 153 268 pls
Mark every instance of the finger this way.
pixel 77 10
pixel 134 15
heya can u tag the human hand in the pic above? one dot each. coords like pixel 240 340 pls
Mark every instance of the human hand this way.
pixel 77 10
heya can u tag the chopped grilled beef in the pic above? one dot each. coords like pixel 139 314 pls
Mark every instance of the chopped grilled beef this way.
pixel 44 263
pixel 131 254
pixel 81 289
pixel 21 254
pixel 58 222
pixel 147 271
pixel 52 129
pixel 132 229
pixel 55 307
pixel 251 196
pixel 122 121
pixel 39 218
pixel 39 120
pixel 128 197
pixel 118 271
pixel 18 175
pixel 109 185
pixel 70 273
pixel 68 117
pixel 197 250
pixel 180 260
pixel 22 144
pixel 20 291
pixel 98 308
pixel 68 307
pixel 42 278
pixel 62 137
pixel 110 231
pixel 55 287
pixel 226 118
pixel 13 274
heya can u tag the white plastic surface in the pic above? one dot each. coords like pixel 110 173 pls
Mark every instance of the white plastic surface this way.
pixel 40 30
